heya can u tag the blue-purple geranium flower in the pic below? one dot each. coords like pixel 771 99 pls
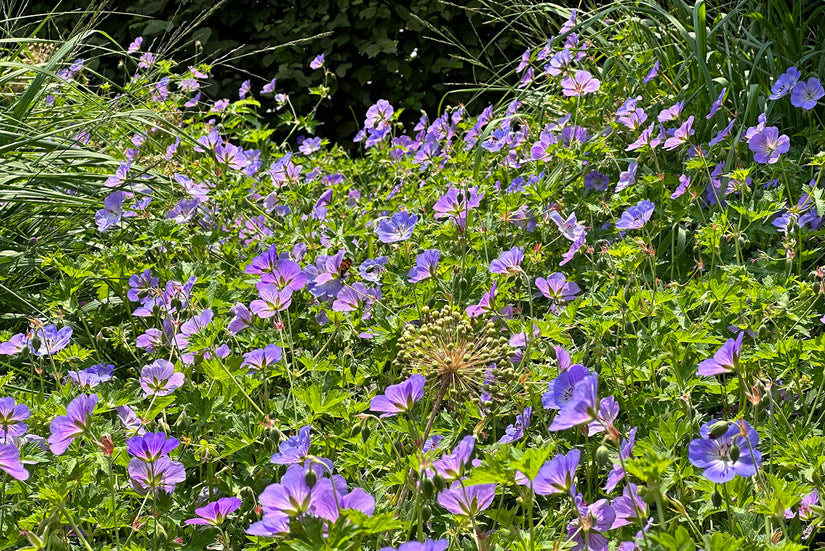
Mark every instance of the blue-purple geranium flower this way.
pixel 726 456
pixel 399 398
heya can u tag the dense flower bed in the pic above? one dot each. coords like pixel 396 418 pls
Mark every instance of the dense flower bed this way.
pixel 586 318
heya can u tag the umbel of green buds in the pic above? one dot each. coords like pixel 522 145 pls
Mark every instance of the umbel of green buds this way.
pixel 456 352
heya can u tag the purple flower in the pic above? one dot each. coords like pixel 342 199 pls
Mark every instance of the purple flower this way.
pixel 682 135
pixel 52 339
pixel 141 284
pixel 596 181
pixel 151 446
pixel 15 345
pixel 652 73
pixel 626 452
pixel 684 182
pixel 456 204
pixel 243 91
pixel 568 227
pixel 425 267
pixel 10 462
pixel 269 87
pixel 486 304
pixel 574 247
pixel 261 358
pixel 356 298
pixel 806 94
pixel 214 513
pixel 716 104
pixel 317 63
pixel 130 420
pixel 608 411
pixel 558 475
pixel 399 398
pixel 90 377
pixel 287 274
pixel 310 146
pixel 722 134
pixel 628 506
pixel 451 466
pixel 196 324
pixel 559 63
pixel 371 270
pixel 634 119
pixel 509 262
pixel 397 228
pixel 582 408
pixel 671 113
pixel 330 497
pixel 725 360
pixel 163 474
pixel 767 145
pixel 135 45
pixel 805 506
pixel 294 450
pixel 65 428
pixel 120 175
pixel 628 177
pixel 785 83
pixel 112 212
pixel 467 500
pixel 645 139
pixel 515 431
pixel 183 211
pixel 324 277
pixel 146 60
pixel 726 456
pixel 272 300
pixel 560 389
pixel 581 83
pixel 231 155
pixel 556 287
pixel 635 217
pixel 241 320
pixel 593 519
pixel 291 496
pixel 159 379
pixel 12 416
pixel 429 545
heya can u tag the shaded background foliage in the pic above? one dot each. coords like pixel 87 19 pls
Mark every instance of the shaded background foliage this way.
pixel 408 53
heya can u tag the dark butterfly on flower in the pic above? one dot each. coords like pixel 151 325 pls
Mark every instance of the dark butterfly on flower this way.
pixel 345 264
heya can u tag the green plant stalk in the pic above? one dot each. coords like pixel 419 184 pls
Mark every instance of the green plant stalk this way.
pixel 114 507
pixel 77 531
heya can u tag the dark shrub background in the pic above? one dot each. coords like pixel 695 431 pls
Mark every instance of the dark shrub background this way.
pixel 378 49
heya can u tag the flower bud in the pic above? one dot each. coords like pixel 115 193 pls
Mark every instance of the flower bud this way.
pixel 602 455
pixel 311 477
pixel 716 498
pixel 734 453
pixel 365 433
pixel 427 487
pixel 718 429
pixel 426 512
pixel 439 482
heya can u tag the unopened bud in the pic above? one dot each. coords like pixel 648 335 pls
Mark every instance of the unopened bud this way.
pixel 716 498
pixel 311 477
pixel 602 455
pixel 734 453
pixel 718 429
pixel 427 487
pixel 439 482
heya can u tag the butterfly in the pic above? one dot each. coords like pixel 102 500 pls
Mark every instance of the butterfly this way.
pixel 345 264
